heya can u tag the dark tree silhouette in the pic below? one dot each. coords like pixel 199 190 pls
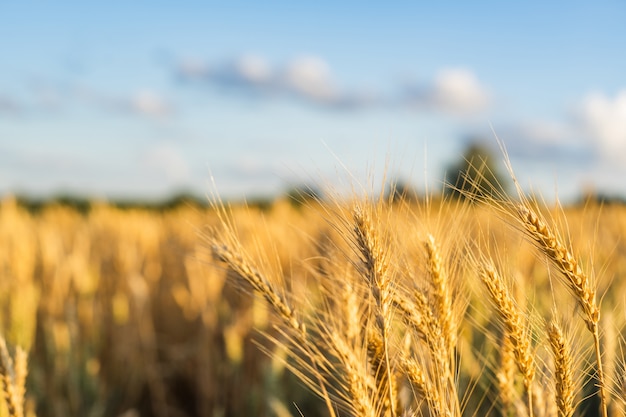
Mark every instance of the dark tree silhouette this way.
pixel 475 175
pixel 400 190
pixel 303 194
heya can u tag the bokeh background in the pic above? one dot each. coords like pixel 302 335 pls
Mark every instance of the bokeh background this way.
pixel 141 100
pixel 123 309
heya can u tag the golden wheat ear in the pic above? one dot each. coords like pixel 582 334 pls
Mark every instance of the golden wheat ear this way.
pixel 13 375
pixel 515 323
pixel 375 262
pixel 563 370
pixel 550 243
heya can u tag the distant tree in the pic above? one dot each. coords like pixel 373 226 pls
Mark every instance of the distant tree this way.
pixel 182 199
pixel 400 191
pixel 476 174
pixel 303 194
pixel 80 204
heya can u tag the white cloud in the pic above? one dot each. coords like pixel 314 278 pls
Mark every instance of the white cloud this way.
pixel 459 91
pixel 150 104
pixel 254 69
pixel 546 140
pixel 454 91
pixel 311 79
pixel 145 102
pixel 310 76
pixel 307 77
pixel 46 96
pixel 548 132
pixel 604 119
pixel 166 160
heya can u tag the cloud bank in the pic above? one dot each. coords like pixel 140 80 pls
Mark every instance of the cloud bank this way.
pixel 146 102
pixel 593 133
pixel 604 120
pixel 167 161
pixel 310 79
pixel 307 77
pixel 44 97
pixel 455 91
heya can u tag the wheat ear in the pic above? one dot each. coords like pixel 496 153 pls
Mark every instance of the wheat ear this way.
pixel 422 384
pixel 419 317
pixel 250 274
pixel 443 295
pixel 444 311
pixel 563 370
pixel 575 279
pixel 13 379
pixel 359 381
pixel 246 271
pixel 514 325
pixel 376 268
pixel 506 375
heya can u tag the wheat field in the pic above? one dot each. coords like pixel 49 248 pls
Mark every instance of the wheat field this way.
pixel 343 307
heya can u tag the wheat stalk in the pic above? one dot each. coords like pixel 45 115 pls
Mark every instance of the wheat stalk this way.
pixel 250 274
pixel 377 358
pixel 563 370
pixel 513 321
pixel 419 380
pixel 443 295
pixel 376 268
pixel 576 280
pixel 418 315
pixel 444 312
pixel 360 383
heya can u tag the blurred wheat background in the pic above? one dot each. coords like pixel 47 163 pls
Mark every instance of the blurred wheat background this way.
pixel 436 288
pixel 126 312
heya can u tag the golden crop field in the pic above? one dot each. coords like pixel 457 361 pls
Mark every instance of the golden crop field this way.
pixel 359 307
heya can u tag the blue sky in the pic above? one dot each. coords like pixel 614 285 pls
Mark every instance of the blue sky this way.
pixel 142 99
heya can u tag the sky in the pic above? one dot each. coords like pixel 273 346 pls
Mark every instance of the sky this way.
pixel 145 99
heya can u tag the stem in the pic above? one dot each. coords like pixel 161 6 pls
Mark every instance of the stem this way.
pixel 392 405
pixel 601 382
